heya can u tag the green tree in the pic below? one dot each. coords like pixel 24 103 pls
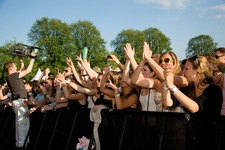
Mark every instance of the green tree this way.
pixel 134 37
pixel 55 40
pixel 85 34
pixel 5 54
pixel 157 40
pixel 202 44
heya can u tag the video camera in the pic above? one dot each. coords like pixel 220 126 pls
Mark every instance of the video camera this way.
pixel 23 50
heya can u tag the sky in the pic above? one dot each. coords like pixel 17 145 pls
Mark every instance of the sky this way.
pixel 179 20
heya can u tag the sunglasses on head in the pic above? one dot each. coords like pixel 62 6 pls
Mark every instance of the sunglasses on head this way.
pixel 166 60
pixel 217 57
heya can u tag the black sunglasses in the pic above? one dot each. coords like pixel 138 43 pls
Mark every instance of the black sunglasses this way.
pixel 166 60
pixel 217 57
pixel 66 70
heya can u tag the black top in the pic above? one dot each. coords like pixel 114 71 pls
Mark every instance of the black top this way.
pixel 210 102
pixel 102 101
pixel 76 104
pixel 16 86
pixel 204 126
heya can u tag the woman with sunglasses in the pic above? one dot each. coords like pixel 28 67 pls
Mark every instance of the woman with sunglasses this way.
pixel 166 59
pixel 201 97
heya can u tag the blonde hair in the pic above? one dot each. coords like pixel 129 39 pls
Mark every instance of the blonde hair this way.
pixel 176 63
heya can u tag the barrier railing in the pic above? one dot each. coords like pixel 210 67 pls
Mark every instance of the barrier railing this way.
pixel 119 130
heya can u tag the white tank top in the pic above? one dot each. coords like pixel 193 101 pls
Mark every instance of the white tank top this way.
pixel 151 101
pixel 91 100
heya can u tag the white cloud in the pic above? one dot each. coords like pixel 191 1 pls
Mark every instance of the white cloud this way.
pixel 180 4
pixel 220 16
pixel 220 7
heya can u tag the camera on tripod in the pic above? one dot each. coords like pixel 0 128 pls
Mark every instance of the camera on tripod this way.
pixel 24 50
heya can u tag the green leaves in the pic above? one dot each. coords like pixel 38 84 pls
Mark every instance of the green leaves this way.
pixel 202 44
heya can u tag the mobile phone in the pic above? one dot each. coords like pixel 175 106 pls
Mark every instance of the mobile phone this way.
pixel 109 57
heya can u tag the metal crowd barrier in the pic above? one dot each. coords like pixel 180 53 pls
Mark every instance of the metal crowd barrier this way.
pixel 119 130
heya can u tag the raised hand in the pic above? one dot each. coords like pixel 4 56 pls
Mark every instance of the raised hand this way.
pixel 147 53
pixel 129 52
pixel 79 59
pixel 69 62
pixel 169 77
pixel 106 69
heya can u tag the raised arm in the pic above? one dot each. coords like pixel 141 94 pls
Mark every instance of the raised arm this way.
pixel 92 75
pixel 103 87
pixel 113 58
pixel 147 55
pixel 76 74
pixel 129 52
pixel 21 64
pixel 29 68
pixel 169 88
pixel 78 87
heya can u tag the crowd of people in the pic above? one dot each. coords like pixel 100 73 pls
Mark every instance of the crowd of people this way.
pixel 159 82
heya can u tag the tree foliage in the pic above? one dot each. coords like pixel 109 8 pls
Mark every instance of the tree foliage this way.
pixel 58 40
pixel 54 38
pixel 157 40
pixel 135 37
pixel 202 44
pixel 85 34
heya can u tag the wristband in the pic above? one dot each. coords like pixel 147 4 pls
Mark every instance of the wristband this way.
pixel 173 89
pixel 117 62
pixel 68 82
pixel 32 110
pixel 117 94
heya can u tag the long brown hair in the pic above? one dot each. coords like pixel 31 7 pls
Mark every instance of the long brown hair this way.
pixel 204 72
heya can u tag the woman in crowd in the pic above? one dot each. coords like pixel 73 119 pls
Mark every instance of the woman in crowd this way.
pixel 127 97
pixel 100 100
pixel 200 97
pixel 75 99
pixel 144 77
pixel 166 59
